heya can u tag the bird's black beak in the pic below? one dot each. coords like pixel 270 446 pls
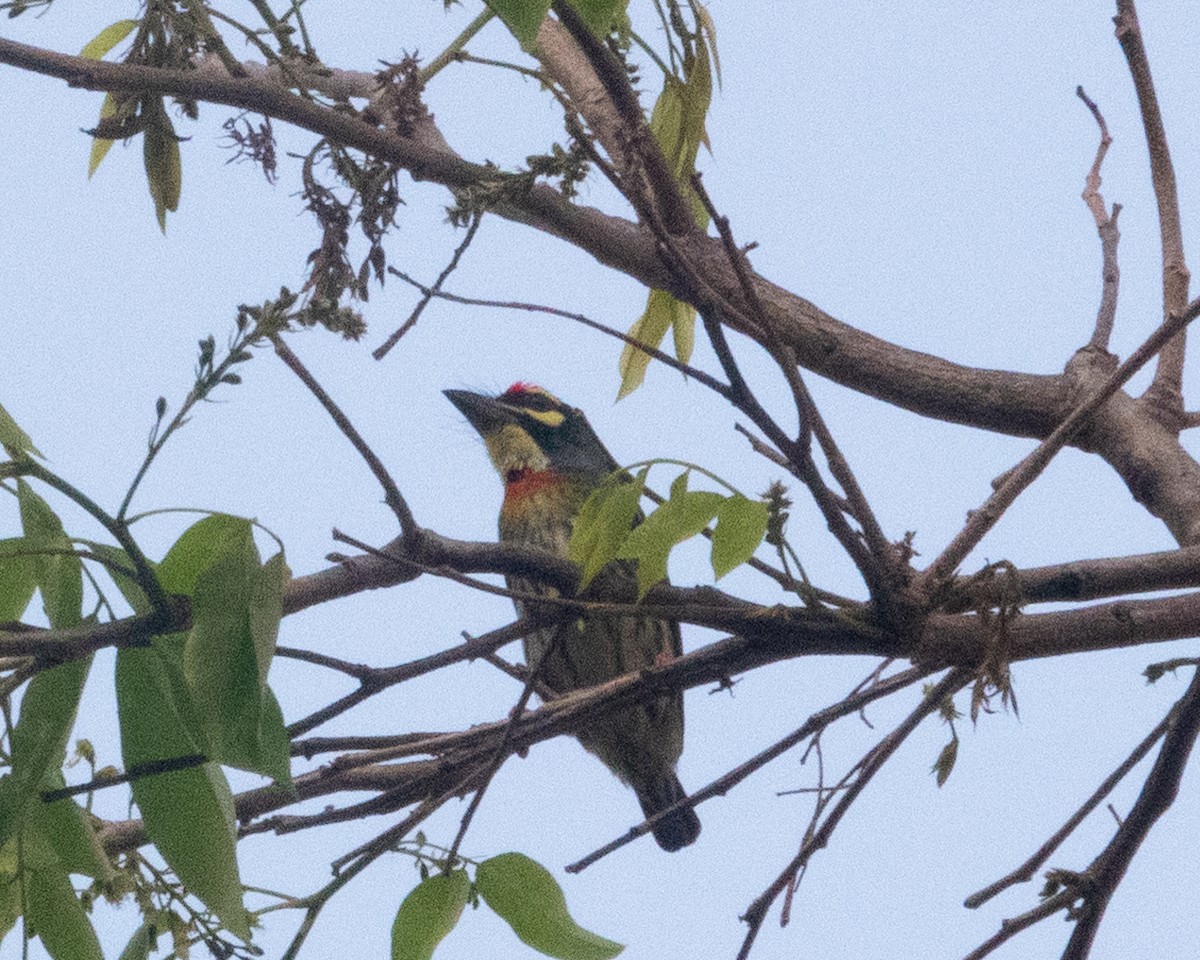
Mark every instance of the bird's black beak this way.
pixel 486 414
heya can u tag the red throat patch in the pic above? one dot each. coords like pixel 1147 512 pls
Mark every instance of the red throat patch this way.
pixel 522 484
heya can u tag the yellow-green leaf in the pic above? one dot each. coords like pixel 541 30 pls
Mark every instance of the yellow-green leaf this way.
pixel 599 14
pixel 673 522
pixel 13 439
pixel 101 145
pixel 529 900
pixel 522 17
pixel 603 524
pixel 741 525
pixel 106 39
pixel 662 313
pixel 428 913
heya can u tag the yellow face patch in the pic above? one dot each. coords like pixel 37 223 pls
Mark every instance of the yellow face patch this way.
pixel 511 448
pixel 551 418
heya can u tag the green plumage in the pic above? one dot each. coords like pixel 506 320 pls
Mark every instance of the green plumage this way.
pixel 550 460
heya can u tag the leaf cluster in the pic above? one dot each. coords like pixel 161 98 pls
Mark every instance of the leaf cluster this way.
pixel 609 526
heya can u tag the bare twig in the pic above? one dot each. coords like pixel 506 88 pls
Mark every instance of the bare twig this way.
pixel 409 531
pixel 1157 795
pixel 756 913
pixel 1168 377
pixel 1027 869
pixel 723 784
pixel 699 375
pixel 1110 236
pixel 1028 470
pixel 427 294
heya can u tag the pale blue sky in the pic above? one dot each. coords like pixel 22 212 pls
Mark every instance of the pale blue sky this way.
pixel 913 169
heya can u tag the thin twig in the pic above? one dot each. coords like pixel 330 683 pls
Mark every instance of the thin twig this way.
pixel 1110 236
pixel 756 913
pixel 1168 377
pixel 1027 869
pixel 409 531
pixel 699 375
pixel 380 679
pixel 723 784
pixel 1157 795
pixel 382 350
pixel 1028 470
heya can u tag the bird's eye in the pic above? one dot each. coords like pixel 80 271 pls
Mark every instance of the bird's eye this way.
pixel 515 474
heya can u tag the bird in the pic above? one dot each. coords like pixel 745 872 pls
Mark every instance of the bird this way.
pixel 550 459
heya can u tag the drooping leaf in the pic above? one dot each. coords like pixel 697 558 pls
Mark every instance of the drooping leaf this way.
pixel 101 145
pixel 603 524
pixel 59 571
pixel 39 740
pixel 673 522
pixel 428 913
pixel 219 659
pixel 55 915
pixel 71 833
pixel 188 813
pixel 662 313
pixel 522 17
pixel 106 39
pixel 13 439
pixel 741 526
pixel 708 29
pixel 944 764
pixel 164 166
pixel 18 578
pixel 525 895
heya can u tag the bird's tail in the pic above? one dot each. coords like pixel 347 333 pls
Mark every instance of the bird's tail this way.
pixel 681 827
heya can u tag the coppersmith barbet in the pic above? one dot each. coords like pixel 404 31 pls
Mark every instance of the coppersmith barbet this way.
pixel 550 459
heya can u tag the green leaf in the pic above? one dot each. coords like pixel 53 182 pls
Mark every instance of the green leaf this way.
pixel 18 578
pixel 10 888
pixel 197 549
pixel 603 524
pixel 944 764
pixel 599 14
pixel 101 145
pixel 54 914
pixel 138 947
pixel 679 485
pixel 107 38
pixel 662 313
pixel 59 571
pixel 13 439
pixel 219 659
pixel 39 740
pixel 428 913
pixel 529 900
pixel 236 608
pixel 164 168
pixel 188 813
pixel 673 522
pixel 741 526
pixel 71 833
pixel 522 17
